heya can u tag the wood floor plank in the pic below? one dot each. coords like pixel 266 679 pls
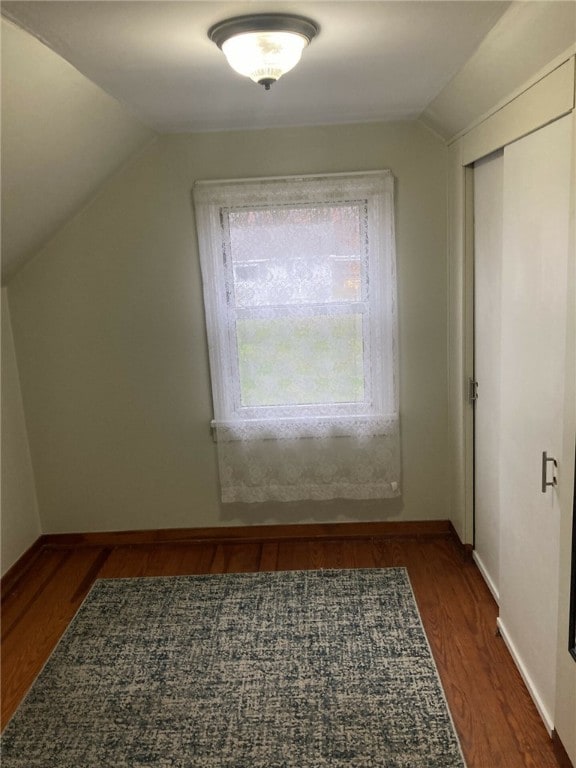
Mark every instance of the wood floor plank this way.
pixel 269 557
pixel 195 558
pixel 461 633
pixel 358 553
pixel 304 555
pixel 126 562
pixel 34 636
pixel 166 560
pixel 236 558
pixel 22 597
pixel 493 713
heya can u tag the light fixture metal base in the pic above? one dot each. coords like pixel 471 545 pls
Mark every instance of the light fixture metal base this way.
pixel 263 22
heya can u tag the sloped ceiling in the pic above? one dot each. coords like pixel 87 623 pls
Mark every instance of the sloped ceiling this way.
pixel 525 39
pixel 61 137
pixel 106 75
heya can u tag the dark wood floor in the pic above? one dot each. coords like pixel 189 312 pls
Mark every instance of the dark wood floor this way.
pixel 495 718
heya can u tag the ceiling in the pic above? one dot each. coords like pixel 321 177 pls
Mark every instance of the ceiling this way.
pixel 86 86
pixel 371 60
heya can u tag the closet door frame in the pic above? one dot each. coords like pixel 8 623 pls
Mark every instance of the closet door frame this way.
pixel 553 96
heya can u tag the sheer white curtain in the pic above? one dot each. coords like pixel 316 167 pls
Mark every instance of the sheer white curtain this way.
pixel 299 279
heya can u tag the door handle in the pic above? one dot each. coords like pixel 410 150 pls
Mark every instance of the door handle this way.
pixel 545 461
pixel 472 391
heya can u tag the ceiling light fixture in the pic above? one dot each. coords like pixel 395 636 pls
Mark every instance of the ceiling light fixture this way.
pixel 263 46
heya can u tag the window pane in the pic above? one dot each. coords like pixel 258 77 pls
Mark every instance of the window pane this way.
pixel 306 255
pixel 298 361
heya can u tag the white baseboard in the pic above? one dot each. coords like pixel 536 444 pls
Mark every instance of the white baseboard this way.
pixel 542 710
pixel 486 576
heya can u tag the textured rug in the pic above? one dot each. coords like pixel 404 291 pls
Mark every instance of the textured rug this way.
pixel 304 669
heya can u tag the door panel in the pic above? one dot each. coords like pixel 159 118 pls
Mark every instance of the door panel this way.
pixel 488 179
pixel 533 321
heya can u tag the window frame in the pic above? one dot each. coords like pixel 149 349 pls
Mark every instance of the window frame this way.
pixel 215 200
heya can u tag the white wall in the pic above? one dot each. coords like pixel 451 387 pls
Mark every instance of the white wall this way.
pixel 111 343
pixel 20 521
pixel 61 137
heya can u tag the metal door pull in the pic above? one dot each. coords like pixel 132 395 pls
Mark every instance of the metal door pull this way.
pixel 472 391
pixel 545 481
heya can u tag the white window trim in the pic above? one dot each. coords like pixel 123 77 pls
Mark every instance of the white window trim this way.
pixel 211 196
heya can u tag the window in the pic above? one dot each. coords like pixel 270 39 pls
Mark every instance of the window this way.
pixel 299 288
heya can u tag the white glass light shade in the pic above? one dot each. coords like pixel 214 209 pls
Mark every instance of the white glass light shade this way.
pixel 263 46
pixel 264 56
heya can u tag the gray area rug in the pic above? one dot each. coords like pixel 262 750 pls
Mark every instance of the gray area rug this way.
pixel 303 669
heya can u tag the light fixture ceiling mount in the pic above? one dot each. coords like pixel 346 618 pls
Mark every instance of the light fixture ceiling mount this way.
pixel 263 46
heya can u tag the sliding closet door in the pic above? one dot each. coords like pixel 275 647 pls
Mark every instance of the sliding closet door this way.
pixel 534 269
pixel 488 179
